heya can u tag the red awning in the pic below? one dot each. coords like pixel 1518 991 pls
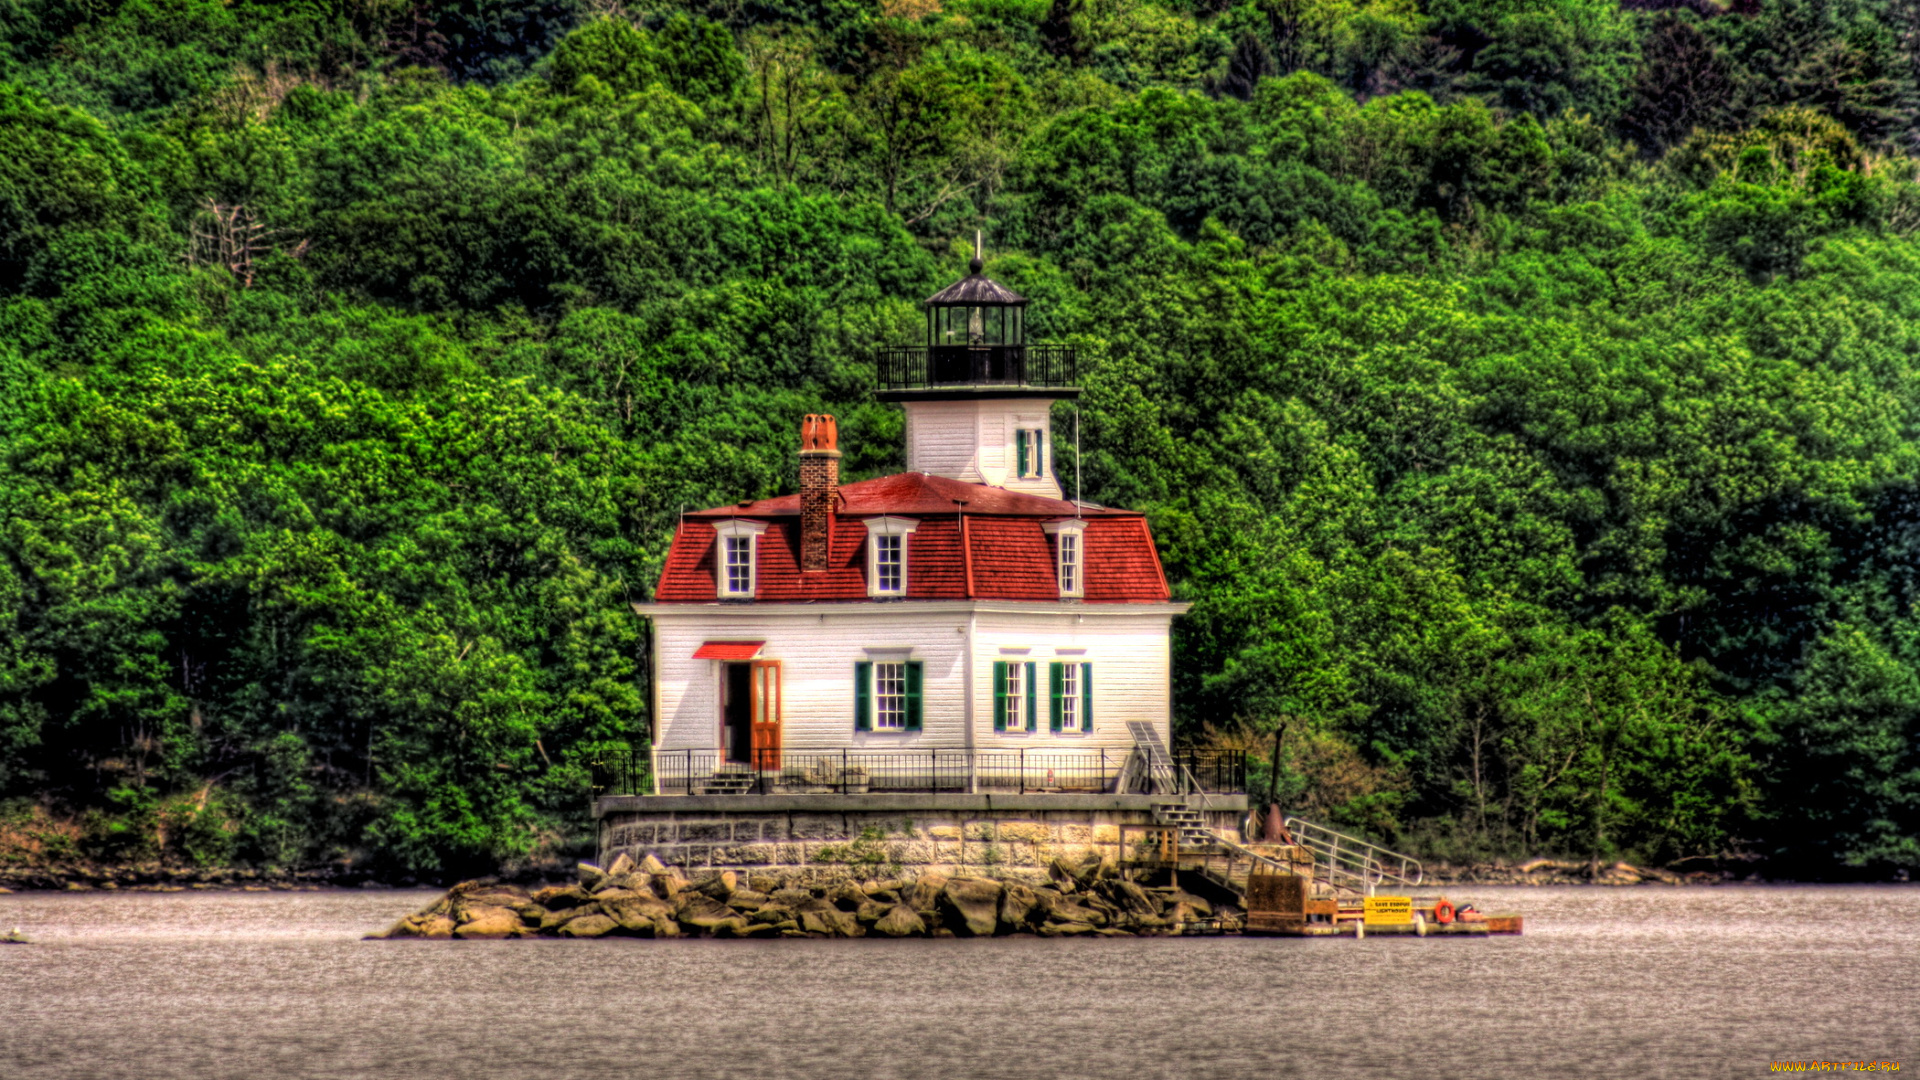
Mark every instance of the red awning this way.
pixel 728 650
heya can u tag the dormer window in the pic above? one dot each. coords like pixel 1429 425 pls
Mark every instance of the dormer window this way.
pixel 1029 451
pixel 1069 544
pixel 887 555
pixel 736 558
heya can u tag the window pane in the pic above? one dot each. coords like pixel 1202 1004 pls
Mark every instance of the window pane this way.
pixel 1016 696
pixel 1070 697
pixel 1069 562
pixel 888 568
pixel 890 696
pixel 740 564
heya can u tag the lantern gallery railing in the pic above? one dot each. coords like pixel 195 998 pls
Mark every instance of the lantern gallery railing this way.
pixel 853 772
pixel 933 366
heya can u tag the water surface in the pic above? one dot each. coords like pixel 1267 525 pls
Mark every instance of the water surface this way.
pixel 1631 982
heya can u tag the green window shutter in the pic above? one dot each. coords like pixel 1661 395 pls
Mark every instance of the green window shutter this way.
pixel 1033 717
pixel 1086 697
pixel 1020 444
pixel 1054 676
pixel 913 695
pixel 863 696
pixel 999 695
pixel 1040 452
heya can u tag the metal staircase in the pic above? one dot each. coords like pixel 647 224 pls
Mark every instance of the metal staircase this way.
pixel 1352 865
pixel 1153 752
pixel 1189 823
pixel 1343 866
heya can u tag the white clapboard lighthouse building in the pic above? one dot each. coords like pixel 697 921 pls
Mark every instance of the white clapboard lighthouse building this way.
pixel 959 627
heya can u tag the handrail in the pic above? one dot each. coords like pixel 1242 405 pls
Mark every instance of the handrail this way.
pixel 1354 858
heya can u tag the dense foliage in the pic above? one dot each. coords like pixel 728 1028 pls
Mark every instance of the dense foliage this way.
pixel 1524 393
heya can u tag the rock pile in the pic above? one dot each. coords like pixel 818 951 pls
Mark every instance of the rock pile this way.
pixel 649 899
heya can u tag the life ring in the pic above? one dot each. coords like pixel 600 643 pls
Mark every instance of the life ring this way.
pixel 1443 912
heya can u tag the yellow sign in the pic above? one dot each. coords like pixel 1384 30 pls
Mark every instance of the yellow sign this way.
pixel 1389 910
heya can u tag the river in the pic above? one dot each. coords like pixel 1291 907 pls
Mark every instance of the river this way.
pixel 1621 982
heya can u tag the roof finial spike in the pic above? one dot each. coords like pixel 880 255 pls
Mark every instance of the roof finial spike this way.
pixel 979 261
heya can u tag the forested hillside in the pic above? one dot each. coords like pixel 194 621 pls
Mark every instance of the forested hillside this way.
pixel 1523 392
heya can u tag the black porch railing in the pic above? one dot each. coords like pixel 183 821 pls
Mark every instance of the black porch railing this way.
pixel 931 367
pixel 856 772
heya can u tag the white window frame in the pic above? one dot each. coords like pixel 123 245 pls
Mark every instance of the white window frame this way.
pixel 895 668
pixel 1070 694
pixel 736 529
pixel 1016 695
pixel 888 526
pixel 1070 556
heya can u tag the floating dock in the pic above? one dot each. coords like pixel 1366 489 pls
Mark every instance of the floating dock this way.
pixel 1323 885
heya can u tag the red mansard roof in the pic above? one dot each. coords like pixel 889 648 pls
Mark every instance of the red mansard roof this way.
pixel 1012 556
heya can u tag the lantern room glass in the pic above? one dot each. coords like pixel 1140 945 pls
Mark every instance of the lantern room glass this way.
pixel 970 344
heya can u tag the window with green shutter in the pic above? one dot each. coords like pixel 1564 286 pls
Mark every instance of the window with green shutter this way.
pixel 862 696
pixel 1055 676
pixel 999 695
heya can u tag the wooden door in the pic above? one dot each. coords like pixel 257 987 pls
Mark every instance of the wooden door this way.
pixel 766 715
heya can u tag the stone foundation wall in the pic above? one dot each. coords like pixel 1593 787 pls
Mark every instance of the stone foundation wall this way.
pixel 864 837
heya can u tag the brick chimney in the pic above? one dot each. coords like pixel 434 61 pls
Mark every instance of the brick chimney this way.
pixel 819 485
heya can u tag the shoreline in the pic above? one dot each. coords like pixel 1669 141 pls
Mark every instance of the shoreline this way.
pixel 146 878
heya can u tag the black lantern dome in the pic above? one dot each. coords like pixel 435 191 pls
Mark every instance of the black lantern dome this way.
pixel 977 347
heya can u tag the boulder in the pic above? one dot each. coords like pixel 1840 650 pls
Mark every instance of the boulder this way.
pixel 623 865
pixel 925 893
pixel 664 926
pixel 626 883
pixel 1017 904
pixel 871 911
pixel 900 921
pixel 554 920
pixel 747 900
pixel 1061 874
pixel 832 921
pixel 490 898
pixel 719 886
pixel 1195 903
pixel 1085 870
pixel 588 926
pixel 847 897
pixel 790 897
pixel 773 914
pixel 562 896
pixel 1069 912
pixel 605 894
pixel 637 913
pixel 466 913
pixel 1062 929
pixel 877 889
pixel 884 896
pixel 652 866
pixel 439 926
pixel 702 912
pixel 1131 898
pixel 977 903
pixel 495 923
pixel 590 875
pixel 668 885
